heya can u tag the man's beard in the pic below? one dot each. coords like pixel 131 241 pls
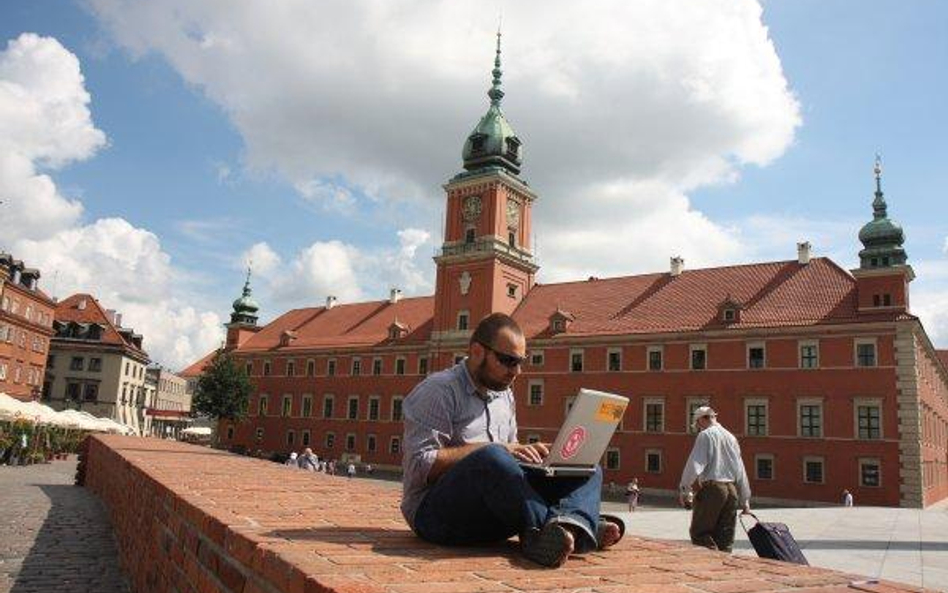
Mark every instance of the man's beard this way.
pixel 480 374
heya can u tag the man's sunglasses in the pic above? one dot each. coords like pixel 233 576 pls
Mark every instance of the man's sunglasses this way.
pixel 508 360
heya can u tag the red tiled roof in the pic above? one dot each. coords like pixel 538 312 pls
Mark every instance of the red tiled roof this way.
pixel 771 294
pixel 198 367
pixel 348 325
pixel 68 310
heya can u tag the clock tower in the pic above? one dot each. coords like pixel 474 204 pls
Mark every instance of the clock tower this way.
pixel 485 264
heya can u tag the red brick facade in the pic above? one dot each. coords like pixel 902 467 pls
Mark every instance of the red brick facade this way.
pixel 26 319
pixel 824 374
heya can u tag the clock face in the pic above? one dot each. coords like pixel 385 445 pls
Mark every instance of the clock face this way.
pixel 471 208
pixel 513 213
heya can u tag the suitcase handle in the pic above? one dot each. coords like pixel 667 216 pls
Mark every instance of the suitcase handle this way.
pixel 741 519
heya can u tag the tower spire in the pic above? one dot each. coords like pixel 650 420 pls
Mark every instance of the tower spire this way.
pixel 496 93
pixel 879 207
pixel 247 282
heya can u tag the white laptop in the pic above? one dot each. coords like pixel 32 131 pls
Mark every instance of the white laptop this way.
pixel 584 436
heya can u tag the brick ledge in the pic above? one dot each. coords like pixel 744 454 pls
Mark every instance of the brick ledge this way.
pixel 191 519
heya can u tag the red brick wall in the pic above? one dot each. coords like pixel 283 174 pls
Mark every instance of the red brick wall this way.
pixel 194 520
pixel 727 382
pixel 25 365
pixel 933 393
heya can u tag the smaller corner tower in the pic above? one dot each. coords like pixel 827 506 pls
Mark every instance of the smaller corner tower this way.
pixel 486 263
pixel 883 274
pixel 243 319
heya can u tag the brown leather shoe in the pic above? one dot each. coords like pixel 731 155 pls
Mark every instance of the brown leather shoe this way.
pixel 550 546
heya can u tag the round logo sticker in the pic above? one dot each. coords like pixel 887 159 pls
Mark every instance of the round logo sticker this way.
pixel 573 442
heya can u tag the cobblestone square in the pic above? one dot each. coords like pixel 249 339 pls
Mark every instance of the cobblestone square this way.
pixel 54 536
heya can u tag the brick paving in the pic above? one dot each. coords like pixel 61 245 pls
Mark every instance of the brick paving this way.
pixel 54 536
pixel 244 525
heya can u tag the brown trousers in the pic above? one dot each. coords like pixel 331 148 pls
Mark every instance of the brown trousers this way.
pixel 714 516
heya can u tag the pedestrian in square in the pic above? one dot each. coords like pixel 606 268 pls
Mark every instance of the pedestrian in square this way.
pixel 847 498
pixel 715 473
pixel 632 494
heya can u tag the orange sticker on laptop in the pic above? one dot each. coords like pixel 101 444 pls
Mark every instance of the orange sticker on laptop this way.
pixel 610 412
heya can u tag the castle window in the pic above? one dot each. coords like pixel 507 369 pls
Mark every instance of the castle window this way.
pixel 576 361
pixel 423 365
pixel 463 320
pixel 809 355
pixel 513 147
pixel 699 357
pixel 813 470
pixel 756 356
pixel 377 366
pixel 370 443
pixel 330 440
pixel 512 291
pixel 511 238
pixel 536 393
pixel 331 367
pixel 477 143
pixel 869 474
pixel 397 408
pixel 865 353
pixel 469 234
pixel 764 465
pixel 654 358
pixel 887 300
pixel 399 366
pixel 266 368
pixel 290 368
pixel 356 366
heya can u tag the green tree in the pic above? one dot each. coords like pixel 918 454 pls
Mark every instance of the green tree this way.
pixel 223 390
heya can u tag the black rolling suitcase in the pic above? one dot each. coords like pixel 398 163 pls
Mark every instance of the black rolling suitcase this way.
pixel 774 541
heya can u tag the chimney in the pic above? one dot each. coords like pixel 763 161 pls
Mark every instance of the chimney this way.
pixel 330 302
pixel 110 315
pixel 803 252
pixel 118 320
pixel 82 305
pixel 394 295
pixel 677 265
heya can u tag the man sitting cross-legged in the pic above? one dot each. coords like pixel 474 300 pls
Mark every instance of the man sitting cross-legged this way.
pixel 463 484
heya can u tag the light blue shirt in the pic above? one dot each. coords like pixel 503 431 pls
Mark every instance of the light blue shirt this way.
pixel 716 456
pixel 445 410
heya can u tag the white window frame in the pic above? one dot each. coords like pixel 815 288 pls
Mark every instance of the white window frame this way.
pixel 378 363
pixel 306 397
pixel 329 439
pixel 867 402
pixel 661 461
pixel 352 366
pixel 466 315
pixel 378 408
pixel 811 459
pixel 322 412
pixel 530 385
pixel 537 358
pixel 404 364
pixel 753 345
pixel 423 358
pixel 693 348
pixel 773 467
pixel 286 411
pixel 756 401
pixel 582 360
pixel 648 358
pixel 306 438
pixel 810 401
pixel 332 363
pixel 349 414
pixel 652 401
pixel 354 439
pixel 391 411
pixel 391 445
pixel 800 345
pixel 877 462
pixel 875 352
pixel 605 459
pixel 609 353
pixel 310 364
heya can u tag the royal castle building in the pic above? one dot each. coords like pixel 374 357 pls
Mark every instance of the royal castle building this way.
pixel 823 373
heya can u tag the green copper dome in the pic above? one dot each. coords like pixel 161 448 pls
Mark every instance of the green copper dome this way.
pixel 245 308
pixel 882 237
pixel 493 143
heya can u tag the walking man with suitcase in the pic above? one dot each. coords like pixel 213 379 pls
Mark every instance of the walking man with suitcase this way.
pixel 715 473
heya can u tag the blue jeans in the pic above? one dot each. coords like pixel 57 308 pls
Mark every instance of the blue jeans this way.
pixel 487 497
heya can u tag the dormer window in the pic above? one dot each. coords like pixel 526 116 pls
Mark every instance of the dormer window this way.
pixel 397 330
pixel 560 320
pixel 729 311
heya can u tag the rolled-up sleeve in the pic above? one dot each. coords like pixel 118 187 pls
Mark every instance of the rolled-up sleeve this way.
pixel 427 429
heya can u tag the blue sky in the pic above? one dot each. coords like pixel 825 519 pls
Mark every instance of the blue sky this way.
pixel 314 138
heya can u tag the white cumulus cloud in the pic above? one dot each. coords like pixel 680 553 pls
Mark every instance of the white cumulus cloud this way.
pixel 624 109
pixel 46 123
